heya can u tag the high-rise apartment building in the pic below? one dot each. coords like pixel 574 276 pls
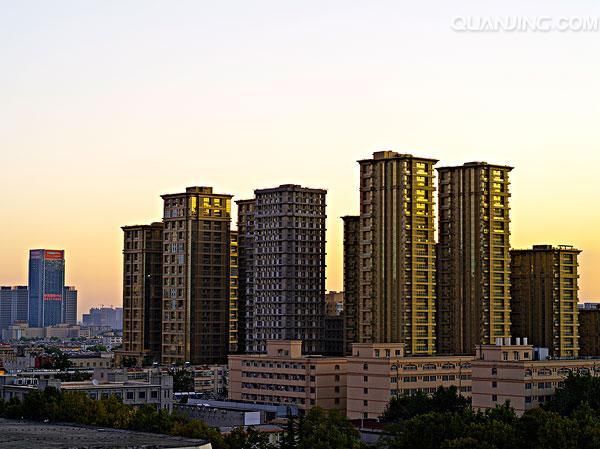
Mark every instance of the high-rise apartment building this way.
pixel 287 301
pixel 544 297
pixel 46 285
pixel 196 282
pixel 473 275
pixel 351 280
pixel 142 292
pixel 245 227
pixel 233 293
pixel 589 329
pixel 70 305
pixel 396 301
pixel 104 317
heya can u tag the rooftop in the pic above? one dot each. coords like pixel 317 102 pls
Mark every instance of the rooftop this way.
pixel 25 435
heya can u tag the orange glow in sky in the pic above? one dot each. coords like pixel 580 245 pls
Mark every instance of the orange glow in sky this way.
pixel 104 106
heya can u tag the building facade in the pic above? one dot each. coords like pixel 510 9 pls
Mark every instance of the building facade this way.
pixel 397 252
pixel 6 297
pixel 334 303
pixel 70 305
pixel 142 293
pixel 286 376
pixel 516 372
pixel 288 269
pixel 351 280
pixel 196 276
pixel 245 228
pixel 234 322
pixel 376 372
pixel 544 290
pixel 46 286
pixel 473 256
pixel 589 330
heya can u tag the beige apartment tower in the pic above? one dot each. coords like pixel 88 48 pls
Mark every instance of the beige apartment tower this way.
pixel 196 277
pixel 396 300
pixel 473 256
pixel 142 293
pixel 544 298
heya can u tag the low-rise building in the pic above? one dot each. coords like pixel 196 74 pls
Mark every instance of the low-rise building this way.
pixel 521 374
pixel 376 372
pixel 210 379
pixel 157 390
pixel 285 376
pixel 92 360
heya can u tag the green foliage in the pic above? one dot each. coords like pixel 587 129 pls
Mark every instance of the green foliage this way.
pixel 58 359
pixel 97 348
pixel 443 400
pixel 577 390
pixel 183 380
pixel 326 429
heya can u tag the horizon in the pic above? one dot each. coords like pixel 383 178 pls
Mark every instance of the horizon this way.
pixel 107 106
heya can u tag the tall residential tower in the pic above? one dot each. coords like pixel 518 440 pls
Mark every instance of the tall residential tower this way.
pixel 396 301
pixel 288 267
pixel 196 276
pixel 544 297
pixel 473 256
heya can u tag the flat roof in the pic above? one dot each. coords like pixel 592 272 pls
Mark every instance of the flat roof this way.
pixel 27 434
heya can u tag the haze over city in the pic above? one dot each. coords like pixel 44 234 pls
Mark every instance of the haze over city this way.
pixel 106 106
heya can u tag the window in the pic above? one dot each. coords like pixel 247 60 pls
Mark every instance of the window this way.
pixel 494 398
pixel 365 390
pixel 130 395
pixel 365 378
pixel 366 403
pixel 494 384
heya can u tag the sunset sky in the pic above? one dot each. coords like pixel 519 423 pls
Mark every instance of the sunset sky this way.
pixel 106 105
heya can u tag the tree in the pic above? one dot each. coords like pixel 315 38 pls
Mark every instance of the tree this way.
pixel 444 400
pixel 183 381
pixel 576 390
pixel 326 429
pixel 289 440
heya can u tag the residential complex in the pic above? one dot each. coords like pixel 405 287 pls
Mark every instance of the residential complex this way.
pixel 544 287
pixel 46 287
pixel 288 267
pixel 142 292
pixel 196 276
pixel 473 298
pixel 396 297
pixel 245 229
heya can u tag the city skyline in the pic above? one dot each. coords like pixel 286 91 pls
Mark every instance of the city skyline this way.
pixel 257 96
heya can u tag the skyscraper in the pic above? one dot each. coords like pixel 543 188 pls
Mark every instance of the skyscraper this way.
pixel 70 305
pixel 20 303
pixel 46 285
pixel 5 307
pixel 544 297
pixel 245 225
pixel 288 267
pixel 396 302
pixel 142 292
pixel 473 256
pixel 351 280
pixel 196 276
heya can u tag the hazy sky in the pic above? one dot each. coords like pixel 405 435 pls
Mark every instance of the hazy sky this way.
pixel 105 105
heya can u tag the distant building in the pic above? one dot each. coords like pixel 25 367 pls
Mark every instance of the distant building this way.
pixel 70 306
pixel 107 317
pixel 46 287
pixel 234 330
pixel 334 303
pixel 5 307
pixel 245 225
pixel 473 259
pixel 544 290
pixel 589 329
pixel 333 335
